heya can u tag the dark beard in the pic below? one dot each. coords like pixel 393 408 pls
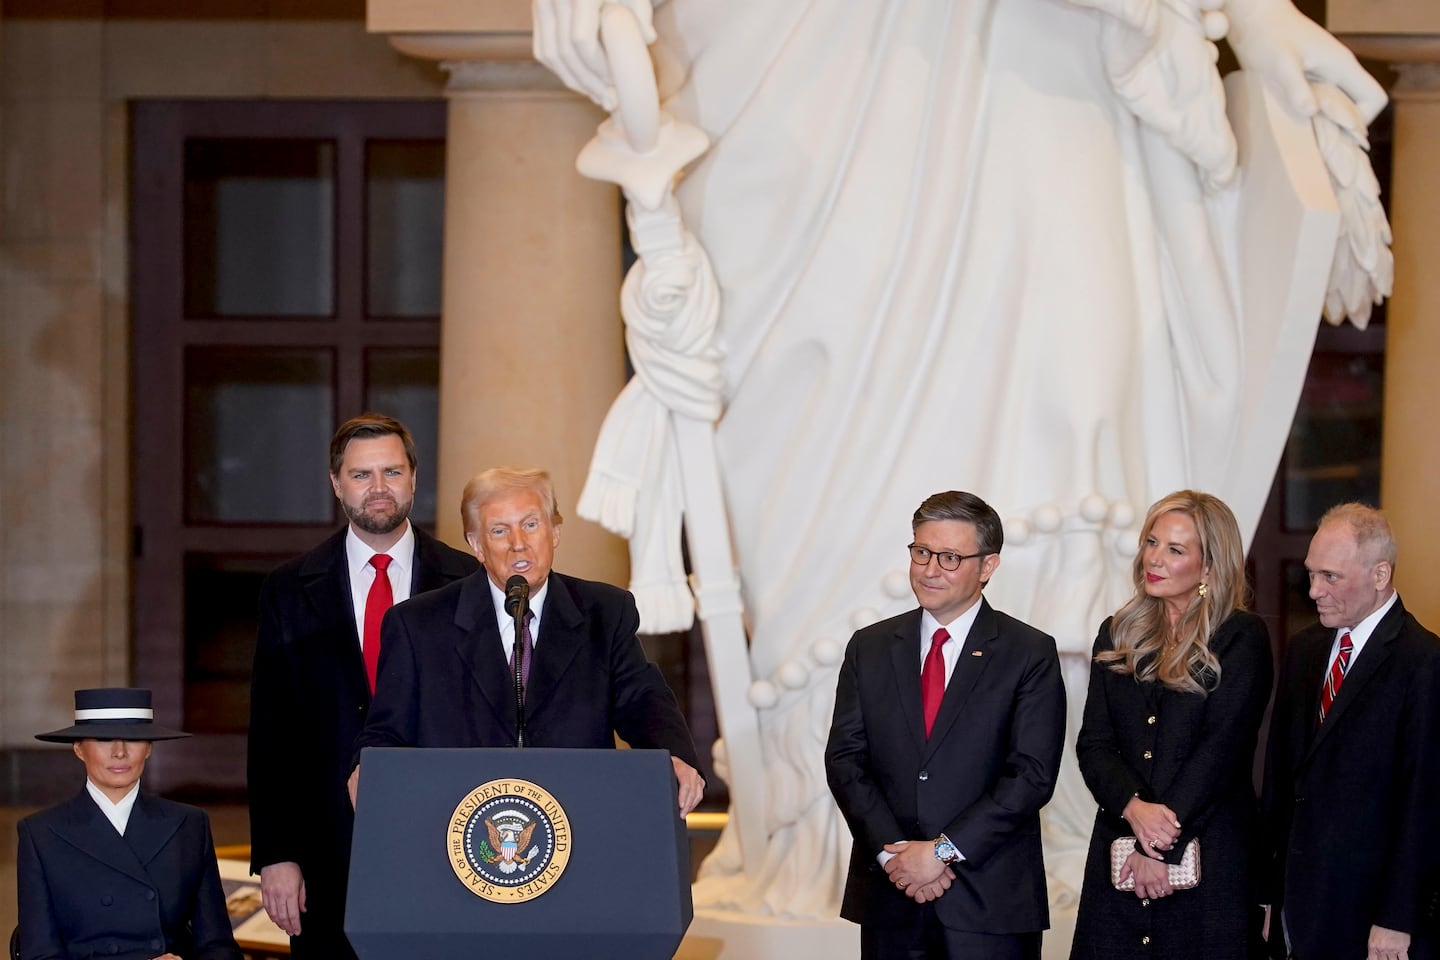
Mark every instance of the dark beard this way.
pixel 383 524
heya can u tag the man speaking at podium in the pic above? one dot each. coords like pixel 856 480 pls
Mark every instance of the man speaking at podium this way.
pixel 446 675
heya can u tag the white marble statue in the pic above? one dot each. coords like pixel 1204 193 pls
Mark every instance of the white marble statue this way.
pixel 1016 247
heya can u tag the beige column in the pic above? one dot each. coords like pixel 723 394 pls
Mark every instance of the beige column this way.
pixel 1411 451
pixel 532 345
pixel 1406 33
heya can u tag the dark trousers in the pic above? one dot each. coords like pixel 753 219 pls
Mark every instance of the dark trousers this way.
pixel 929 939
pixel 322 940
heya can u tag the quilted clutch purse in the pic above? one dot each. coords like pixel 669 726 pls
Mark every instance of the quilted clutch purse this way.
pixel 1183 875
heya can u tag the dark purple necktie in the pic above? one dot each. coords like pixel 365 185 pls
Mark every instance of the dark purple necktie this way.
pixel 526 645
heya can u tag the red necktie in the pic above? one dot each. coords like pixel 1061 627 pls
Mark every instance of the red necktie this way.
pixel 377 602
pixel 1336 675
pixel 932 679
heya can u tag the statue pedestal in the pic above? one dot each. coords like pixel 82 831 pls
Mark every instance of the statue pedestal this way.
pixel 727 935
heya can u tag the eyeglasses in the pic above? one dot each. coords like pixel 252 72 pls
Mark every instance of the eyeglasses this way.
pixel 920 556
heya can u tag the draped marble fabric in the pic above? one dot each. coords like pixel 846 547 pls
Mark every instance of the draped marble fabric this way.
pixel 935 229
pixel 975 244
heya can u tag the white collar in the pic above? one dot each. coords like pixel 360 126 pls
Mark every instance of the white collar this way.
pixel 117 813
pixel 1360 633
pixel 959 628
pixel 358 552
pixel 507 622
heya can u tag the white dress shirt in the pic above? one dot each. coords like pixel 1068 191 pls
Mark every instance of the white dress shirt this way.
pixel 362 574
pixel 959 630
pixel 1359 634
pixel 507 622
pixel 117 813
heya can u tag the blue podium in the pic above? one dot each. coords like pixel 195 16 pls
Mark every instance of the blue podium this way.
pixel 541 853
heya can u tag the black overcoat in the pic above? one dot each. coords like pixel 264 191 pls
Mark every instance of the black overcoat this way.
pixel 309 699
pixel 444 681
pixel 1351 804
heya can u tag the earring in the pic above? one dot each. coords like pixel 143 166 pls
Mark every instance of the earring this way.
pixel 1202 590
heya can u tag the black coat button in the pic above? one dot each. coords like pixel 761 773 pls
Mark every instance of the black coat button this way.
pixel 150 894
pixel 106 900
pixel 924 775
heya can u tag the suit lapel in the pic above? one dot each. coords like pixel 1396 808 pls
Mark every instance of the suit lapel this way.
pixel 975 655
pixel 1377 651
pixel 905 663
pixel 325 576
pixel 480 651
pixel 149 829
pixel 88 830
pixel 562 636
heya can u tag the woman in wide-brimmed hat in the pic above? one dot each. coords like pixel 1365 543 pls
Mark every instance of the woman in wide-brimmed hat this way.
pixel 114 872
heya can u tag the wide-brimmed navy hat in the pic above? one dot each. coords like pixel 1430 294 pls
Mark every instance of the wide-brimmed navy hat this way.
pixel 112 713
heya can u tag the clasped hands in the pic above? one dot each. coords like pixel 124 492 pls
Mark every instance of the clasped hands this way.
pixel 1155 826
pixel 1156 830
pixel 915 871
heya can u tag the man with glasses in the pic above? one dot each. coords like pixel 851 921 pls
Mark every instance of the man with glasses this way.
pixel 949 724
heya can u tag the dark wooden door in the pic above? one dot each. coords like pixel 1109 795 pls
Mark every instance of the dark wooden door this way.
pixel 285 275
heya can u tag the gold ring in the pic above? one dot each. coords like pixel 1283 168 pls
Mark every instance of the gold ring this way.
pixel 1154 844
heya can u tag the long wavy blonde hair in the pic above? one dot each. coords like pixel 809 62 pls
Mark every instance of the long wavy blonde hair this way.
pixel 1147 645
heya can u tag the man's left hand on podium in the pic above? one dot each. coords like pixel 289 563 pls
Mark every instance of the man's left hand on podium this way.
pixel 691 784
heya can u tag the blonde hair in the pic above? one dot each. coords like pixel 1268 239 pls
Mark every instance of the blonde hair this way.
pixel 489 484
pixel 1145 643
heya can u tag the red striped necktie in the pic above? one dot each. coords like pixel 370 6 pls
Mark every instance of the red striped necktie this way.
pixel 1336 676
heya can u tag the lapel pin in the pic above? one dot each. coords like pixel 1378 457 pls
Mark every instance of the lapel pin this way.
pixel 977 653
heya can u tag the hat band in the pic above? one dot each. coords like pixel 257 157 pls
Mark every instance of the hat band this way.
pixel 114 713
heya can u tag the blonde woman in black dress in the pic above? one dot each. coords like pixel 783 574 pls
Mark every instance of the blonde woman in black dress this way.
pixel 1178 685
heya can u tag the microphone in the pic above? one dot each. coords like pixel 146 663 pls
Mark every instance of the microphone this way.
pixel 517 600
pixel 517 596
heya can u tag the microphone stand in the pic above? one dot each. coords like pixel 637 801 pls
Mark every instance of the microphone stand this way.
pixel 518 610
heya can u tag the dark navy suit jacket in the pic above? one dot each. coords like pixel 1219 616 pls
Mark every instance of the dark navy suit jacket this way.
pixel 989 765
pixel 86 891
pixel 444 681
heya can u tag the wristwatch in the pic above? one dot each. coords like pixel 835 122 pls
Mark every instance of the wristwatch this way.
pixel 945 851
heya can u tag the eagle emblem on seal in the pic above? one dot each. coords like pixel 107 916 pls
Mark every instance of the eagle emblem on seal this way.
pixel 509 834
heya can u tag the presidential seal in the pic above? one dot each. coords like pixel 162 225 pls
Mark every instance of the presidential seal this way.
pixel 509 841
